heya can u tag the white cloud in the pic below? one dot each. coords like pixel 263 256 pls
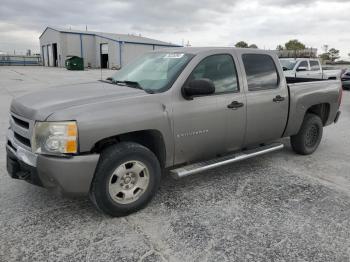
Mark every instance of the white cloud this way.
pixel 204 23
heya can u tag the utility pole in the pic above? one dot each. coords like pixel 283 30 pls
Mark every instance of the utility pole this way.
pixel 325 48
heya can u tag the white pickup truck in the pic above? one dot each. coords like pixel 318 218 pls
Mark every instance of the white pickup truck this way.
pixel 307 68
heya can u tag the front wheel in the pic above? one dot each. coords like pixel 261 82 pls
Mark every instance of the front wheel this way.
pixel 309 136
pixel 126 179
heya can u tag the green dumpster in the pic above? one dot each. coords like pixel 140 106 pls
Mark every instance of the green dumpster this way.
pixel 75 63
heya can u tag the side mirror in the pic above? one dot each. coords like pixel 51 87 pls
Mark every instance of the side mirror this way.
pixel 199 87
pixel 301 69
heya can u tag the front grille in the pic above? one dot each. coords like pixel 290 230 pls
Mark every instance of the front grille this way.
pixel 22 139
pixel 20 122
pixel 22 130
pixel 11 146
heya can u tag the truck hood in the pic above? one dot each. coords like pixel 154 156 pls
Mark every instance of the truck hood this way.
pixel 40 105
pixel 289 73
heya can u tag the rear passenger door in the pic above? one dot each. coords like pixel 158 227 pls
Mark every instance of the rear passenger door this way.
pixel 315 69
pixel 267 99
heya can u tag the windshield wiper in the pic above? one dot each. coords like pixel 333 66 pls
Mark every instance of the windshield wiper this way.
pixel 128 83
pixel 132 84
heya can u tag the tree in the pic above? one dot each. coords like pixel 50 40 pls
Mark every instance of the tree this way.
pixel 241 44
pixel 324 56
pixel 279 48
pixel 253 46
pixel 294 45
pixel 333 54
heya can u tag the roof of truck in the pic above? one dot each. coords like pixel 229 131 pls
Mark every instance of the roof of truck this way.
pixel 298 58
pixel 197 50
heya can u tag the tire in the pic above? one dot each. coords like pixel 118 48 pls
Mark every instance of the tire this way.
pixel 126 178
pixel 309 136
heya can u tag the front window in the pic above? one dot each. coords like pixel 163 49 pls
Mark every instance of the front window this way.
pixel 221 70
pixel 153 72
pixel 304 65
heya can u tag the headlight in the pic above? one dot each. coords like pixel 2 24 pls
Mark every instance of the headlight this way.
pixel 55 138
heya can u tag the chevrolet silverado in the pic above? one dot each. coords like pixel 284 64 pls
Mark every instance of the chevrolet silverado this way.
pixel 183 110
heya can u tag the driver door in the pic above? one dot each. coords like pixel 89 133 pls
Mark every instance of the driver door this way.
pixel 303 70
pixel 201 124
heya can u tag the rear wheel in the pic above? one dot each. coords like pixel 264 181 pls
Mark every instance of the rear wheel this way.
pixel 309 136
pixel 126 179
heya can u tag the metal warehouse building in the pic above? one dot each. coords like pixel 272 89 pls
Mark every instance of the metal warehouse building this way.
pixel 103 50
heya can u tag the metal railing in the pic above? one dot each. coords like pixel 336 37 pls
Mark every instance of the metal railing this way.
pixel 305 53
pixel 21 60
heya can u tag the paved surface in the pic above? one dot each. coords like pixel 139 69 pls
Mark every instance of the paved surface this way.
pixel 277 207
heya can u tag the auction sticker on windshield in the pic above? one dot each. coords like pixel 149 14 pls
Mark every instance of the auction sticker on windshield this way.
pixel 174 55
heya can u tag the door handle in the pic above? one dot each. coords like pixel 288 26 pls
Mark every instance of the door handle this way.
pixel 278 99
pixel 235 105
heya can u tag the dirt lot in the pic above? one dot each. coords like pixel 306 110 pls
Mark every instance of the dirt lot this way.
pixel 277 207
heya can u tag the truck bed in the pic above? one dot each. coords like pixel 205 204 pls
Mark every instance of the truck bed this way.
pixel 305 92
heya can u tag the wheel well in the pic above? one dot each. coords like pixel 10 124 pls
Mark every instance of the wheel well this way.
pixel 322 110
pixel 152 139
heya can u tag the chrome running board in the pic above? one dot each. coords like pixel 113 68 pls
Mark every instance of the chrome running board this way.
pixel 213 163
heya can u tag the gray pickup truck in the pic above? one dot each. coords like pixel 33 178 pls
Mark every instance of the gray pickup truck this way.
pixel 182 110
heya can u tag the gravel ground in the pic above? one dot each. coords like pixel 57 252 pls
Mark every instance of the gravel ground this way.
pixel 277 207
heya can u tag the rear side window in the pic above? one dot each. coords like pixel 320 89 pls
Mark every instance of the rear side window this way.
pixel 315 66
pixel 221 70
pixel 261 72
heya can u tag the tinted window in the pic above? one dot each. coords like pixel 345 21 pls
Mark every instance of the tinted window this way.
pixel 261 72
pixel 221 70
pixel 315 66
pixel 304 64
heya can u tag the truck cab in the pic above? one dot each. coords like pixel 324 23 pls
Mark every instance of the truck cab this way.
pixel 302 68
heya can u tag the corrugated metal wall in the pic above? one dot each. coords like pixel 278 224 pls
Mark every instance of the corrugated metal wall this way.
pixel 88 47
pixel 132 51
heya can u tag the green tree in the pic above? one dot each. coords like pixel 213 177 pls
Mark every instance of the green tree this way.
pixel 253 46
pixel 279 48
pixel 294 44
pixel 324 56
pixel 333 54
pixel 241 44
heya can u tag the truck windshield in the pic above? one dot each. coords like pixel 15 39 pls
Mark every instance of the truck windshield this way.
pixel 287 64
pixel 153 72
